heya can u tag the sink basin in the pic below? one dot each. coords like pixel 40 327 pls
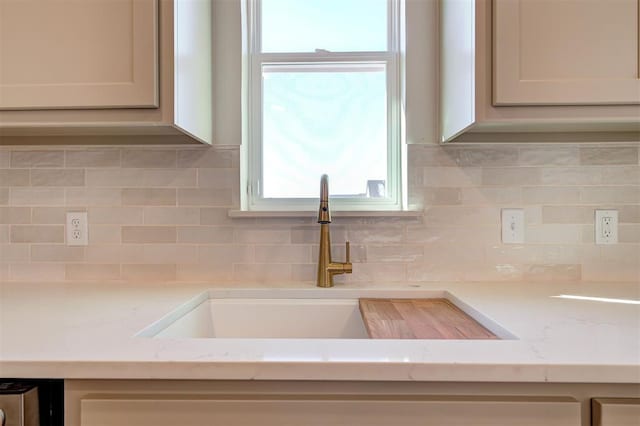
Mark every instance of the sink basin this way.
pixel 283 314
pixel 270 318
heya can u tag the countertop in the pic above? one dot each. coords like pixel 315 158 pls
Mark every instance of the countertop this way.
pixel 87 331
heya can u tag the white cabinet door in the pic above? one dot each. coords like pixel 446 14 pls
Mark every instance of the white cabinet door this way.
pixel 106 69
pixel 615 411
pixel 78 54
pixel 539 70
pixel 290 410
pixel 566 52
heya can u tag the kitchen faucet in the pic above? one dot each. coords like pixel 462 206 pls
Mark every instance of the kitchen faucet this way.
pixel 326 267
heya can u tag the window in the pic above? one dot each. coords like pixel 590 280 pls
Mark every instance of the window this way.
pixel 323 96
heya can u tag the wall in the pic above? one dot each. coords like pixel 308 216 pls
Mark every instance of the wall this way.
pixel 161 214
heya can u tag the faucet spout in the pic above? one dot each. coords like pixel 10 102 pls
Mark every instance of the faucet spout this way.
pixel 327 268
pixel 324 215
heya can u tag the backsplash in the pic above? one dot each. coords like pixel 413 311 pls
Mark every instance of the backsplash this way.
pixel 160 214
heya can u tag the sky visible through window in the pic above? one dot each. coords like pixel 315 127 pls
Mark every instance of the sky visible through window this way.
pixel 334 25
pixel 331 119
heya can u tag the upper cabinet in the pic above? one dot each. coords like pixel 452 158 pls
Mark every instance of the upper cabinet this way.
pixel 521 66
pixel 105 68
pixel 78 54
pixel 550 52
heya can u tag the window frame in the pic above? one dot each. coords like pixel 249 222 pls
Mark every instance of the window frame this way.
pixel 252 141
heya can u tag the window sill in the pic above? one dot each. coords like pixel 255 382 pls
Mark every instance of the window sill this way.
pixel 309 213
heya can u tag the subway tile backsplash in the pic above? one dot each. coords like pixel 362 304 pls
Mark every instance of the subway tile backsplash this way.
pixel 160 214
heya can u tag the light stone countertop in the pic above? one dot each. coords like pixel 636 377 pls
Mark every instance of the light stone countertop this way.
pixel 87 331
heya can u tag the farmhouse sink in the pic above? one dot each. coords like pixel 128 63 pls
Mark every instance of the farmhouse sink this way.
pixel 283 314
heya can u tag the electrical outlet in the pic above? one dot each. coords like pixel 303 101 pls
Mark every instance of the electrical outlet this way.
pixel 77 230
pixel 606 226
pixel 512 226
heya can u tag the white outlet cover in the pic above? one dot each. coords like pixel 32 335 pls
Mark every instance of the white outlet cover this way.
pixel 512 226
pixel 606 226
pixel 77 229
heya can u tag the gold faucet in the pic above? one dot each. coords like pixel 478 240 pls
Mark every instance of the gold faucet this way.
pixel 326 267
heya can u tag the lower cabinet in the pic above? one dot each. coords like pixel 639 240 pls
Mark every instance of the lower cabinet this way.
pixel 169 403
pixel 615 411
pixel 304 403
pixel 319 410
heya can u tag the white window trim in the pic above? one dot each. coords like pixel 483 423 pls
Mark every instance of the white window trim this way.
pixel 252 114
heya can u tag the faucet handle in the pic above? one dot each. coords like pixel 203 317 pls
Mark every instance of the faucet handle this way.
pixel 348 249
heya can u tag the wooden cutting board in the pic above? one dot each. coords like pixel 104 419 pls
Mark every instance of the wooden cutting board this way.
pixel 419 319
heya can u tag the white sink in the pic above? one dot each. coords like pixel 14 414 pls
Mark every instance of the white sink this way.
pixel 270 318
pixel 283 314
